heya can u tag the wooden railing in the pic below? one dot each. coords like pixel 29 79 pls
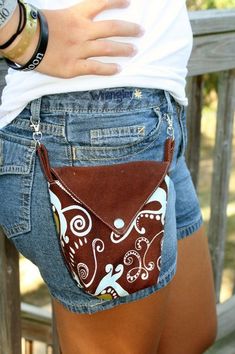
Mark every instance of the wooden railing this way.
pixel 213 51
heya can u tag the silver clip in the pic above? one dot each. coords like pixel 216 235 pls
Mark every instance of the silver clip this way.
pixel 37 134
pixel 170 128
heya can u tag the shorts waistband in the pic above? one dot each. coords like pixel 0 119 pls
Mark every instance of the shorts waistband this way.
pixel 119 99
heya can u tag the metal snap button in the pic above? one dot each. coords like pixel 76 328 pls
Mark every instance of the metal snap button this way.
pixel 119 223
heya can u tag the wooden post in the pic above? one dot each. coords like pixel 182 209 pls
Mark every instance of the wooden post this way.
pixel 221 174
pixel 28 347
pixel 55 340
pixel 226 318
pixel 234 284
pixel 10 325
pixel 194 114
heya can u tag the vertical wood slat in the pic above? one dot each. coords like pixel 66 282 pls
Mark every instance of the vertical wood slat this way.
pixel 221 174
pixel 55 339
pixel 234 285
pixel 28 347
pixel 10 323
pixel 194 114
pixel 49 350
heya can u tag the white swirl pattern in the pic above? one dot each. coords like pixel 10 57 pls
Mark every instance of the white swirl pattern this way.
pixel 160 196
pixel 94 248
pixel 81 226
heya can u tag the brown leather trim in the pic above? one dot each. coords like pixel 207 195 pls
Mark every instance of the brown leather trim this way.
pixel 45 163
pixel 169 149
pixel 113 192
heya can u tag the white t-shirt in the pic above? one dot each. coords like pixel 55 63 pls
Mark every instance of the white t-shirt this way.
pixel 161 61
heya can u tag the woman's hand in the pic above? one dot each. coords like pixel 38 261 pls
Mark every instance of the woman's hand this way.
pixel 74 37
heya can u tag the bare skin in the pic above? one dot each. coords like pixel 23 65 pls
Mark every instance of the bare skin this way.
pixel 132 328
pixel 74 38
pixel 178 319
pixel 191 322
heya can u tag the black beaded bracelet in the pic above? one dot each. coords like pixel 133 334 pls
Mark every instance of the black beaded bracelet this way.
pixel 41 47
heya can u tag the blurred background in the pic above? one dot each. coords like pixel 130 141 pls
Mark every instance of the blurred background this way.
pixel 209 4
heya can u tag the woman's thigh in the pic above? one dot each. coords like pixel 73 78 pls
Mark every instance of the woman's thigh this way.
pixel 191 322
pixel 132 328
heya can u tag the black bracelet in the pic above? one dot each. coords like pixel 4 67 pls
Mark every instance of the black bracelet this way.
pixel 20 27
pixel 40 51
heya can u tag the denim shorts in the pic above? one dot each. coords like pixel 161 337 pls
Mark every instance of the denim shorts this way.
pixel 98 127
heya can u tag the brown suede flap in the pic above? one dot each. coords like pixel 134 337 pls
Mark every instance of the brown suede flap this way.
pixel 113 192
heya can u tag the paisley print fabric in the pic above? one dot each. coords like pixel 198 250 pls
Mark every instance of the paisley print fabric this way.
pixel 103 263
pixel 110 256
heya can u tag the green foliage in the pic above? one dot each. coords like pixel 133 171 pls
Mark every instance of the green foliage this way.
pixel 210 4
pixel 210 89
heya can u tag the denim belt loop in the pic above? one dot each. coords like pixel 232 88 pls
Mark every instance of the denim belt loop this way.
pixel 35 107
pixel 169 103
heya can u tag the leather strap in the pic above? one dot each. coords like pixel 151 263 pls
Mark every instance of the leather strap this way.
pixel 45 163
pixel 169 149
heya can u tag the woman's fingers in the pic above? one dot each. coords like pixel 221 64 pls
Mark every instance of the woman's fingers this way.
pixel 114 28
pixel 72 52
pixel 99 48
pixel 94 7
pixel 94 67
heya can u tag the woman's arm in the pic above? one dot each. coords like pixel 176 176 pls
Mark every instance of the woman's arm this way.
pixel 7 8
pixel 9 16
pixel 74 37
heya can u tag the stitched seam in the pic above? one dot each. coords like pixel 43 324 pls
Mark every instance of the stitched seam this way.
pixel 24 224
pixel 170 272
pixel 154 135
pixel 46 128
pixel 115 158
pixel 117 132
pixel 83 111
pixel 1 152
pixel 15 230
pixel 23 169
pixel 20 141
pixel 190 225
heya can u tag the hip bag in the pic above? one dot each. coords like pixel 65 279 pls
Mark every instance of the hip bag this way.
pixel 110 220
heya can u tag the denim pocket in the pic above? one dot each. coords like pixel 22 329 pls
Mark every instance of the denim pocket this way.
pixel 16 177
pixel 118 135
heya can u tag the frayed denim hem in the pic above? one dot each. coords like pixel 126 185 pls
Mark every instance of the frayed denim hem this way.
pixel 186 231
pixel 101 305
